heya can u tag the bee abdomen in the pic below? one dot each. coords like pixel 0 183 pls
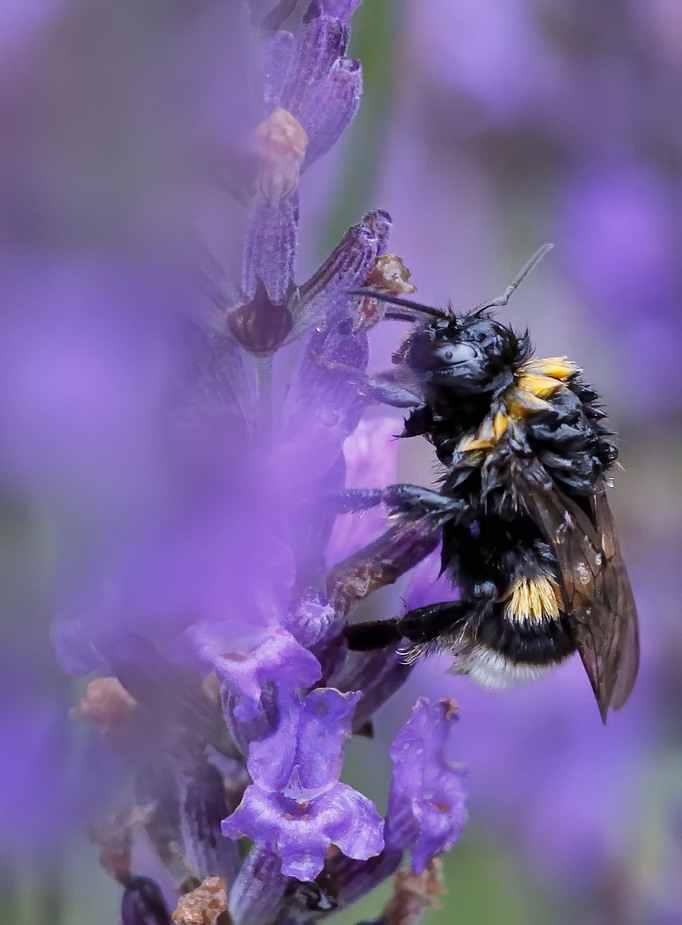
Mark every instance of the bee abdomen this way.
pixel 539 643
pixel 502 653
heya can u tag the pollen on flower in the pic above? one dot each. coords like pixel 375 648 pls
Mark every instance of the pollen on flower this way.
pixel 203 905
pixel 389 275
pixel 280 143
pixel 451 708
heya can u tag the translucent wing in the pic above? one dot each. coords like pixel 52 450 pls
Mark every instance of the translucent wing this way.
pixel 624 642
pixel 596 587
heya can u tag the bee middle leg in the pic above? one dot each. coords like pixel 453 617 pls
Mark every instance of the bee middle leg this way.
pixel 412 501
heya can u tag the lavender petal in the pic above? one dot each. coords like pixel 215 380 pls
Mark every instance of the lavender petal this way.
pixel 332 107
pixel 322 41
pixel 279 54
pixel 300 833
pixel 274 656
pixel 311 618
pixel 303 757
pixel 354 824
pixel 342 9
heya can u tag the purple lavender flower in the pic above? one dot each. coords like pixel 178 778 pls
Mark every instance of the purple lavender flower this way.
pixel 296 806
pixel 426 805
pixel 231 691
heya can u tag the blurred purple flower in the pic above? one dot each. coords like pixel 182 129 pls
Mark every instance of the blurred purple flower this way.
pixel 231 691
pixel 488 62
pixel 371 460
pixel 624 216
pixel 619 226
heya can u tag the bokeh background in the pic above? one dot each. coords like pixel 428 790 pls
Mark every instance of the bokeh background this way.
pixel 487 128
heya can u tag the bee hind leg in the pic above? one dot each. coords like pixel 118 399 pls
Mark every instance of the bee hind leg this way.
pixel 420 627
pixel 379 634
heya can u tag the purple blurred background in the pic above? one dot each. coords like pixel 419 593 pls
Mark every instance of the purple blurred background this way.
pixel 488 127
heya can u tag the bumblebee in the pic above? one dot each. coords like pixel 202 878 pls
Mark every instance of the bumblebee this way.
pixel 527 534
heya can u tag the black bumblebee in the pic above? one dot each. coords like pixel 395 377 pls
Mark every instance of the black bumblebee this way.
pixel 527 534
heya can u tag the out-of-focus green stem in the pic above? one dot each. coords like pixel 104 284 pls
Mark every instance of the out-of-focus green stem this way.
pixel 375 28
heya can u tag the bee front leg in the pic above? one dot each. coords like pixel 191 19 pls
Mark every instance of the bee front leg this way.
pixel 387 389
pixel 393 388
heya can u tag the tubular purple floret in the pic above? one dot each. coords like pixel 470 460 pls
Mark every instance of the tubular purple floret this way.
pixel 296 806
pixel 143 904
pixel 426 804
pixel 258 893
pixel 203 805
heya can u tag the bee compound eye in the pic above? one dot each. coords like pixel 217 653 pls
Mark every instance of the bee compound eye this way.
pixel 448 354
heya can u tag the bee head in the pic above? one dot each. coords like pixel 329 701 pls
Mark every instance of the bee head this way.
pixel 468 355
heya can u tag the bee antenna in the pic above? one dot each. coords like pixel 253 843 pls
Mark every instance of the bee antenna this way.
pixel 413 310
pixel 527 268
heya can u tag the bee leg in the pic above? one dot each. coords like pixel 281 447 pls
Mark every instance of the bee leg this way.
pixel 428 623
pixel 413 501
pixel 387 390
pixel 364 637
pixel 356 499
pixel 419 626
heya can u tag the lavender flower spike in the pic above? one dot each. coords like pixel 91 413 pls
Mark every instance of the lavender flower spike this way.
pixel 296 806
pixel 231 691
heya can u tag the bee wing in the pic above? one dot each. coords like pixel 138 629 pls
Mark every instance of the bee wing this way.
pixel 624 644
pixel 595 583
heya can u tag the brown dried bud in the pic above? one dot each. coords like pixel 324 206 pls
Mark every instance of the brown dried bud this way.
pixel 107 705
pixel 260 326
pixel 390 275
pixel 203 905
pixel 114 837
pixel 279 143
pixel 413 894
